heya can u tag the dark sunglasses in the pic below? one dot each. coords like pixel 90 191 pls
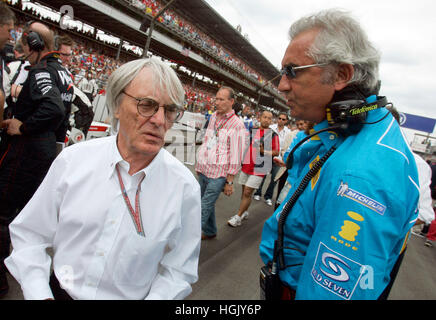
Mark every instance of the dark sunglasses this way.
pixel 291 71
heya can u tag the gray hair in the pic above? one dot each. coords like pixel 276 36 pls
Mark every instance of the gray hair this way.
pixel 341 40
pixel 164 79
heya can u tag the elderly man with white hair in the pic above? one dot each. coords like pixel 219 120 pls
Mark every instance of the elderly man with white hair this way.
pixel 121 214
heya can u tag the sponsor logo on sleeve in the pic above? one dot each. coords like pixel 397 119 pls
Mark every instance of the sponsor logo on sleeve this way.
pixel 336 273
pixel 42 75
pixel 42 81
pixel 65 78
pixel 349 231
pixel 45 89
pixel 345 191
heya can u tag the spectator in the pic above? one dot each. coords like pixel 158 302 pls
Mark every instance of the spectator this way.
pixel 88 86
pixel 219 158
pixel 246 117
pixel 305 126
pixel 282 130
pixel 64 45
pixel 152 254
pixel 264 145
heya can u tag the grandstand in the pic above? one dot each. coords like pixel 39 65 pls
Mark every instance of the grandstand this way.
pixel 202 46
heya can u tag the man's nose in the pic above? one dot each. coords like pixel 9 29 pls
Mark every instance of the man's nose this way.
pixel 284 84
pixel 159 117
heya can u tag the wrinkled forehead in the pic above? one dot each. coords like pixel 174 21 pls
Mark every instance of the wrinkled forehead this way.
pixel 223 93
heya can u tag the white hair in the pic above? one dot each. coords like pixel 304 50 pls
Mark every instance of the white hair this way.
pixel 341 40
pixel 164 79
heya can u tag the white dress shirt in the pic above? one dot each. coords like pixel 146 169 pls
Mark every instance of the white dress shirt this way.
pixel 282 135
pixel 425 207
pixel 79 211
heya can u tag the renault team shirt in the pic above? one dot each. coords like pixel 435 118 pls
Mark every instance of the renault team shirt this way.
pixel 352 220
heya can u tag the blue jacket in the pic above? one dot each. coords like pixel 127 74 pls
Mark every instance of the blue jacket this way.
pixel 352 220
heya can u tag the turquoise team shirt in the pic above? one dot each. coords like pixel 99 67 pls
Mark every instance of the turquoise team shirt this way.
pixel 353 218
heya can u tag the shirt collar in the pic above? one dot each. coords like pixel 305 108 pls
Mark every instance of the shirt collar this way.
pixel 226 116
pixel 115 158
pixel 328 138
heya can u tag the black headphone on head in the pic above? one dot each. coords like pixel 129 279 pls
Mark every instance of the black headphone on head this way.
pixel 33 39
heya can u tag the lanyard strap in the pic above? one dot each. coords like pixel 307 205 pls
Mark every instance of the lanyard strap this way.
pixel 221 125
pixel 135 214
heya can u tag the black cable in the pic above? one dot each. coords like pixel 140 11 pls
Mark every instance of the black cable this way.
pixel 278 244
pixel 289 162
pixel 278 257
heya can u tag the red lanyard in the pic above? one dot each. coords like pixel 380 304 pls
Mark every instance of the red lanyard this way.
pixel 135 214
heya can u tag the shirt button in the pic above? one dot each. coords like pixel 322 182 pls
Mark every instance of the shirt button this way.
pixel 332 137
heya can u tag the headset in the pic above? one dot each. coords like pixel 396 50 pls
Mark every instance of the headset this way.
pixel 350 115
pixel 346 117
pixel 33 39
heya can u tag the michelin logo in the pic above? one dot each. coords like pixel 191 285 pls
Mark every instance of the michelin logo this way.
pixel 345 191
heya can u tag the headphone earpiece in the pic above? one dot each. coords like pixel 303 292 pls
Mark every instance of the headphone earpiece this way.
pixel 35 41
pixel 56 43
pixel 350 115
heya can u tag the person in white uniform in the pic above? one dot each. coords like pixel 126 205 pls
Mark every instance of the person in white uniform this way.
pixel 121 214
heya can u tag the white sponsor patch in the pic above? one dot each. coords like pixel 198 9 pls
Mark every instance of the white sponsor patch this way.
pixel 335 272
pixel 45 90
pixel 345 191
pixel 42 75
pixel 42 81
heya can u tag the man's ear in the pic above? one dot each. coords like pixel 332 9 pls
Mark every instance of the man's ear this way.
pixel 344 75
pixel 117 112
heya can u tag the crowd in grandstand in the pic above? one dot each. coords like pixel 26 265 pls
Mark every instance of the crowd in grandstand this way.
pixel 173 20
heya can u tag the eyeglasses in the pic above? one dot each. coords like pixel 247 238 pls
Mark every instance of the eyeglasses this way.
pixel 148 107
pixel 284 119
pixel 65 54
pixel 290 70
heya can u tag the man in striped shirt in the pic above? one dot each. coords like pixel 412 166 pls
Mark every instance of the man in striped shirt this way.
pixel 219 157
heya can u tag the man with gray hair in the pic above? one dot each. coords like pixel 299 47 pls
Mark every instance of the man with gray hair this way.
pixel 321 243
pixel 127 224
